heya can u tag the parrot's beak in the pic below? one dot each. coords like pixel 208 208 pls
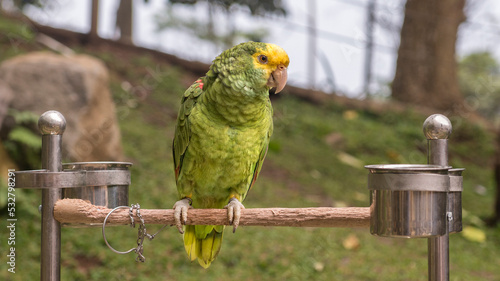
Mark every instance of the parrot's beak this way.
pixel 278 78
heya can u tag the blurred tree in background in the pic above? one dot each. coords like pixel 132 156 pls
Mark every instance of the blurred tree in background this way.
pixel 221 32
pixel 479 75
pixel 426 71
pixel 123 23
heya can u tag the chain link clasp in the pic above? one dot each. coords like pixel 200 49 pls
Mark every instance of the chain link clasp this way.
pixel 141 233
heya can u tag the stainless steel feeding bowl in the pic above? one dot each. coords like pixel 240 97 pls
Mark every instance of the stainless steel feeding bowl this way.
pixel 109 196
pixel 408 200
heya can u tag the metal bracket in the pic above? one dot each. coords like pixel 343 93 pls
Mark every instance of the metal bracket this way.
pixel 71 179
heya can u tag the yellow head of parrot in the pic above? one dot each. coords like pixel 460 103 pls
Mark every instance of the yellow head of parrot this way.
pixel 274 61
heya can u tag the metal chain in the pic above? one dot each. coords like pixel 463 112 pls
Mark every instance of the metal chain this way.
pixel 141 233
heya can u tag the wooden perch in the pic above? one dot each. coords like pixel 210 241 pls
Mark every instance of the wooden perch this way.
pixel 76 211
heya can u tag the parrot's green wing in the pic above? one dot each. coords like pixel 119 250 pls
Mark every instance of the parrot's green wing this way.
pixel 262 155
pixel 182 131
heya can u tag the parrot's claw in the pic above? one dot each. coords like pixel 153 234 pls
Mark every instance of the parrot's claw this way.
pixel 180 210
pixel 234 212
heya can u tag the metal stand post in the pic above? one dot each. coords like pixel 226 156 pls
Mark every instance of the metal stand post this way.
pixel 437 129
pixel 51 125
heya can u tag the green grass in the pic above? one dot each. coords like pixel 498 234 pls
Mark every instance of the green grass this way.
pixel 301 170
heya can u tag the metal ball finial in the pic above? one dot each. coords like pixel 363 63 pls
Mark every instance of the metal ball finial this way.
pixel 437 126
pixel 52 123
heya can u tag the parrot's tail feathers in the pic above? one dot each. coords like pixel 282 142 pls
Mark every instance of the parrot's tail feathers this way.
pixel 210 247
pixel 190 242
pixel 206 249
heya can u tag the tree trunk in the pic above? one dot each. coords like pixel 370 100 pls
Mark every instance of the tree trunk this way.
pixel 496 216
pixel 426 72
pixel 124 21
pixel 94 20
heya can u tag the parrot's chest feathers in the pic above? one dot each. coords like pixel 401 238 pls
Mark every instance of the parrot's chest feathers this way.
pixel 225 143
pixel 222 157
pixel 242 108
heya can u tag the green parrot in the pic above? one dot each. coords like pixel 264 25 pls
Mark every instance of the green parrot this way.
pixel 221 138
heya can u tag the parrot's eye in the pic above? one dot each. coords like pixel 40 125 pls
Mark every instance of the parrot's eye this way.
pixel 263 59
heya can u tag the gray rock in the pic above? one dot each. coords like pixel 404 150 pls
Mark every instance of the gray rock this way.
pixel 76 86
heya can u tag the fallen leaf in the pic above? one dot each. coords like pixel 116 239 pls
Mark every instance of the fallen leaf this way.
pixel 350 160
pixel 363 197
pixel 319 266
pixel 474 234
pixel 350 115
pixel 334 139
pixel 351 242
pixel 480 189
pixel 340 204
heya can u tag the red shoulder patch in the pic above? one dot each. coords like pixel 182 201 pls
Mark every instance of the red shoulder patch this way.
pixel 200 85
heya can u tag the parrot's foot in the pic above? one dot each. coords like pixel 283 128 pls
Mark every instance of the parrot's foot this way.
pixel 234 212
pixel 181 211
